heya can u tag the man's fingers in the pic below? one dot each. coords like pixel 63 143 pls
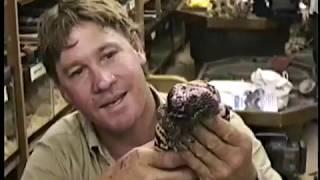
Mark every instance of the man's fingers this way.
pixel 210 159
pixel 160 159
pixel 196 164
pixel 213 143
pixel 179 174
pixel 166 160
pixel 225 131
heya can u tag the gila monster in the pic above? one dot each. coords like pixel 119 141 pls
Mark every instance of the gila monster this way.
pixel 188 104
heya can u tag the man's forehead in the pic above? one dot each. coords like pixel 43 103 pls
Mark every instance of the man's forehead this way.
pixel 84 29
pixel 87 31
pixel 86 40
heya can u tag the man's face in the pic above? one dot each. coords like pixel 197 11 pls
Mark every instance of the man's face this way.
pixel 100 74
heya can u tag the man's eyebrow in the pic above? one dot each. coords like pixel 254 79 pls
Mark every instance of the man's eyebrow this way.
pixel 69 67
pixel 71 45
pixel 99 50
pixel 107 45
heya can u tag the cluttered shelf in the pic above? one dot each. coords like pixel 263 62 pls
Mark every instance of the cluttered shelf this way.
pixel 201 15
pixel 299 111
pixel 235 79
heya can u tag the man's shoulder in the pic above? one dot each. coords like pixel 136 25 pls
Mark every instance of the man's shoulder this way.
pixel 59 152
pixel 65 130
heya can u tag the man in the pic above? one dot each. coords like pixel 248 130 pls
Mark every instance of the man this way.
pixel 93 52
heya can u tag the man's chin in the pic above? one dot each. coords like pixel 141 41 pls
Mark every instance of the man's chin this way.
pixel 120 126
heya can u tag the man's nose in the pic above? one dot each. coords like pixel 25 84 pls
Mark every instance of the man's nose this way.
pixel 103 80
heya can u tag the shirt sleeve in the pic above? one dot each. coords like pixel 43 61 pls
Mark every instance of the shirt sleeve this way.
pixel 43 164
pixel 259 156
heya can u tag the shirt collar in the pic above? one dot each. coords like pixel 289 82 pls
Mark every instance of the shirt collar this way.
pixel 90 136
pixel 93 142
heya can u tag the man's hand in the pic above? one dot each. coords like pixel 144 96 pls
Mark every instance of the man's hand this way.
pixel 220 152
pixel 145 163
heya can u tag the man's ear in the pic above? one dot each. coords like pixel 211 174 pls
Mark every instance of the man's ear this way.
pixel 63 93
pixel 138 45
pixel 142 56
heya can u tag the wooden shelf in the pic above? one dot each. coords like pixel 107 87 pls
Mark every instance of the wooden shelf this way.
pixel 241 24
pixel 13 160
pixel 298 112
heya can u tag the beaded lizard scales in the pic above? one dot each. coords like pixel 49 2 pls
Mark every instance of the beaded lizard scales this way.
pixel 188 104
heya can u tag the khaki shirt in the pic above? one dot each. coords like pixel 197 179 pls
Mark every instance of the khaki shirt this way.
pixel 70 150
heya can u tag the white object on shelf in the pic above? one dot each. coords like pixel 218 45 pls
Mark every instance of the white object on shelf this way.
pixel 37 71
pixel 5 94
pixel 274 83
pixel 231 92
pixel 131 4
pixel 235 95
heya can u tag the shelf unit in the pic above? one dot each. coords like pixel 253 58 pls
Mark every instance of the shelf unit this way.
pixel 27 128
pixel 14 59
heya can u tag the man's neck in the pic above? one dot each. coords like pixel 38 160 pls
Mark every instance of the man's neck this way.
pixel 120 145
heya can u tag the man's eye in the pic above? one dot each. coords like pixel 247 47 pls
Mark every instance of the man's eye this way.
pixel 109 55
pixel 76 72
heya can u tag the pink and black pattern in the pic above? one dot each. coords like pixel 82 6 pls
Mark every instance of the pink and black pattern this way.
pixel 188 105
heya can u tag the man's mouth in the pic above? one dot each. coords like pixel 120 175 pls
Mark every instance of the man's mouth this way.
pixel 115 102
